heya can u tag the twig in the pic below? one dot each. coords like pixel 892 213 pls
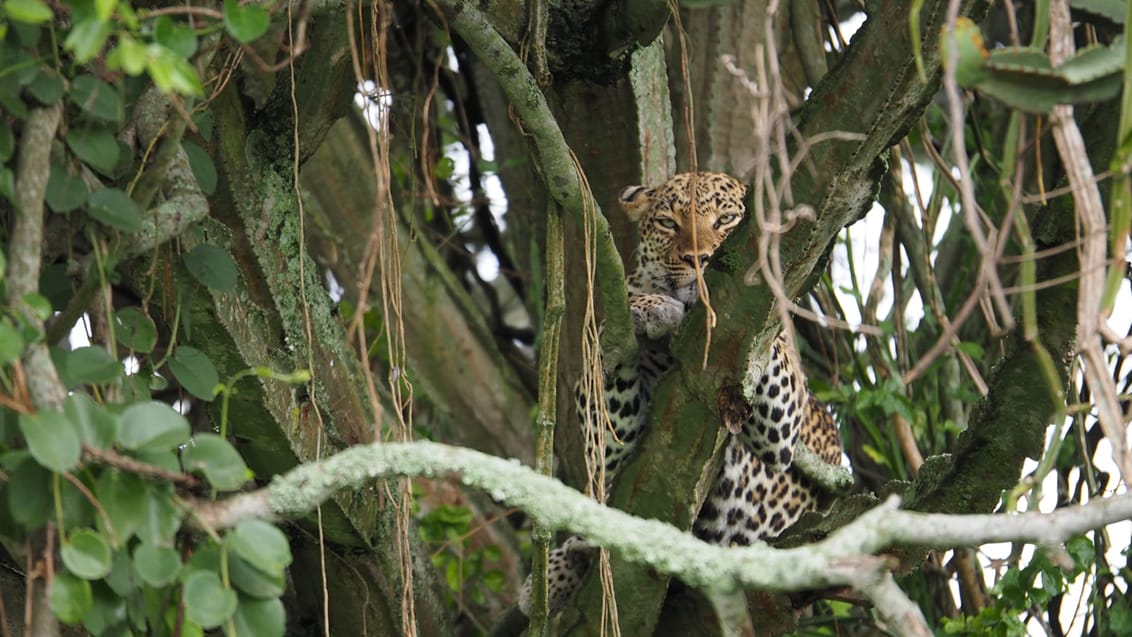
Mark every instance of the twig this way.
pixel 1091 217
pixel 547 411
pixel 125 463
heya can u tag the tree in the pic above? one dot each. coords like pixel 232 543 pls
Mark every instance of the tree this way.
pixel 277 283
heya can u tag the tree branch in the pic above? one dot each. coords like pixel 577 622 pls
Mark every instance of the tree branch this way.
pixel 841 559
pixel 560 171
pixel 26 248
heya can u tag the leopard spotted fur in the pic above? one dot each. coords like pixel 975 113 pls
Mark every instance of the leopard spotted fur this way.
pixel 756 495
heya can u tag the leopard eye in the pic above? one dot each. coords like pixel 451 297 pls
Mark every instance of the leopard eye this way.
pixel 665 222
pixel 725 219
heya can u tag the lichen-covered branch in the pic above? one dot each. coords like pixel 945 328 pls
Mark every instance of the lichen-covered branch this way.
pixel 26 248
pixel 559 168
pixel 662 545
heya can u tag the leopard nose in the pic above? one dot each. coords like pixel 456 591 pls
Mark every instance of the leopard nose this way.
pixel 691 259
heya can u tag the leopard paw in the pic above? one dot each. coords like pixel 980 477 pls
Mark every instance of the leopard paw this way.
pixel 656 315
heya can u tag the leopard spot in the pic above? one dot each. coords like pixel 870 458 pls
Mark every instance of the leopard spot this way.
pixel 772 391
pixel 776 414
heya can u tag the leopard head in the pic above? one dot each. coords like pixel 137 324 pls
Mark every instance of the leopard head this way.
pixel 673 237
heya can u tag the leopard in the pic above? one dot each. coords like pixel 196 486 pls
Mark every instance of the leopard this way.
pixel 758 493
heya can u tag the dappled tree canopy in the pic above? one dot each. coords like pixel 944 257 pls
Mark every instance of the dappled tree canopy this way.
pixel 297 295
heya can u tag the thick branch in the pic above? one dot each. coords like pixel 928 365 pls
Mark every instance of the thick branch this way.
pixel 662 545
pixel 26 249
pixel 560 171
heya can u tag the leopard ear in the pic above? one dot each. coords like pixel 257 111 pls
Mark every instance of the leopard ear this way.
pixel 634 201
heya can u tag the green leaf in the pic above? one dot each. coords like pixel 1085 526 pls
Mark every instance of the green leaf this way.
pixel 1112 9
pixel 28 501
pixel 1093 63
pixel 52 439
pixel 171 72
pixel 28 11
pixel 109 611
pixel 47 87
pixel 96 426
pixel 253 582
pixel 86 38
pixel 104 8
pixel 93 365
pixel 71 597
pixel 65 192
pixel 129 56
pixel 95 146
pixel 175 36
pixel 152 426
pixel 217 460
pixel 245 23
pixel 87 554
pixel 262 544
pixel 206 600
pixel 203 168
pixel 212 266
pixel 156 565
pixel 161 517
pixel 125 499
pixel 259 617
pixel 38 304
pixel 135 330
pixel 7 142
pixel 97 98
pixel 11 343
pixel 195 372
pixel 8 180
pixel 972 51
pixel 115 209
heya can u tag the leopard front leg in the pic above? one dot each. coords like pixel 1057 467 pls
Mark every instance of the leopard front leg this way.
pixel 655 315
pixel 777 408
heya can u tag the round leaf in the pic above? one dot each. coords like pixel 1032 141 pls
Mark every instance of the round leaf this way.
pixel 52 439
pixel 206 600
pixel 95 146
pixel 175 36
pixel 87 554
pixel 97 98
pixel 195 372
pixel 115 209
pixel 217 459
pixel 135 330
pixel 251 581
pixel 171 72
pixel 92 365
pixel 156 565
pixel 95 426
pixel 152 426
pixel 87 37
pixel 125 499
pixel 11 343
pixel 259 617
pixel 212 266
pixel 161 518
pixel 65 192
pixel 71 598
pixel 28 501
pixel 247 22
pixel 262 544
pixel 203 168
pixel 47 87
